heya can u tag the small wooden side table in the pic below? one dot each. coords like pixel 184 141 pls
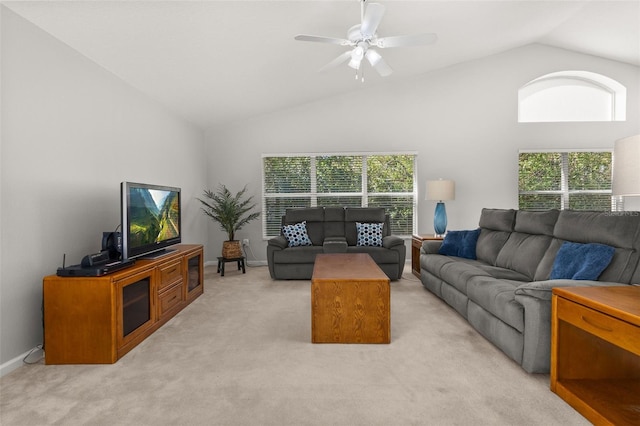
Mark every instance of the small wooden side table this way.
pixel 416 244
pixel 595 352
pixel 223 260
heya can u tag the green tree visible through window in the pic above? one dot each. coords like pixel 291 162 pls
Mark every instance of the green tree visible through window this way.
pixel 565 180
pixel 355 180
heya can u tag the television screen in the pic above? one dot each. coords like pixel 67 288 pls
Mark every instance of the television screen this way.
pixel 150 218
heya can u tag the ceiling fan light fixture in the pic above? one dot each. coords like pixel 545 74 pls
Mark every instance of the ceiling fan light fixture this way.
pixel 373 57
pixel 357 55
pixel 354 64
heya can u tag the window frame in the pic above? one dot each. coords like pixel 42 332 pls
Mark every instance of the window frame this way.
pixel 617 109
pixel 363 194
pixel 617 203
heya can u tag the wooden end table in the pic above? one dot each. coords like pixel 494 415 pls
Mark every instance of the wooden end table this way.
pixel 416 244
pixel 595 352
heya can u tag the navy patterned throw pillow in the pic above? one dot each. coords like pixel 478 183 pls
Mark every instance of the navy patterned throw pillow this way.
pixel 369 234
pixel 296 234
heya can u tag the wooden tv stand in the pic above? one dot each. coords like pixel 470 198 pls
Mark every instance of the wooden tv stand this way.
pixel 97 320
pixel 595 352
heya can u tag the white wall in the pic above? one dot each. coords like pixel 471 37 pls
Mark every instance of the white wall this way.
pixel 71 132
pixel 462 120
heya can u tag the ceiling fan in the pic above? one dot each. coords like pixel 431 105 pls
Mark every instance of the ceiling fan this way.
pixel 362 39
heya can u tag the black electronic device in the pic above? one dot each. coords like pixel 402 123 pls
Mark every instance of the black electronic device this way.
pixel 96 259
pixel 104 268
pixel 112 242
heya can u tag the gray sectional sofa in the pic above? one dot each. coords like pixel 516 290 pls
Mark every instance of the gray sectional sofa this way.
pixel 333 230
pixel 505 293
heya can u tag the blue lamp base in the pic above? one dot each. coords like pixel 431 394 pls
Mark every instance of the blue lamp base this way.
pixel 440 219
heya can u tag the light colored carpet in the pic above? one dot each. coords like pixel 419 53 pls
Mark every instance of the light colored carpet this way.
pixel 241 355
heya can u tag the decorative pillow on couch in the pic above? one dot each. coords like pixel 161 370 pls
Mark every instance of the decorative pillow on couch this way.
pixel 369 234
pixel 460 244
pixel 576 261
pixel 296 234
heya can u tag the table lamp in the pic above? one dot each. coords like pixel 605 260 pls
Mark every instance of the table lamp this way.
pixel 440 190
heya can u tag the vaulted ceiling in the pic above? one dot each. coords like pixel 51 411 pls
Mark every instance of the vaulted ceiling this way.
pixel 212 62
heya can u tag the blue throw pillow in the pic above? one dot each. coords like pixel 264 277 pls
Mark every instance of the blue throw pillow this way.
pixel 576 261
pixel 460 244
pixel 296 234
pixel 369 234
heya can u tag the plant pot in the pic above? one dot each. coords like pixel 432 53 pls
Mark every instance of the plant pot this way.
pixel 231 249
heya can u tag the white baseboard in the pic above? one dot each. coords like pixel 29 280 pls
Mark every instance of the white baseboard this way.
pixel 17 362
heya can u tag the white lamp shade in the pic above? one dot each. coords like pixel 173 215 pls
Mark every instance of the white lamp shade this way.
pixel 441 190
pixel 626 167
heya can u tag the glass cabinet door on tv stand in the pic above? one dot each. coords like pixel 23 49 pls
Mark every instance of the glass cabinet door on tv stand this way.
pixel 195 275
pixel 135 307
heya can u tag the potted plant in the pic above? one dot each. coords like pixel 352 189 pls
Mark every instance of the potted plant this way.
pixel 232 212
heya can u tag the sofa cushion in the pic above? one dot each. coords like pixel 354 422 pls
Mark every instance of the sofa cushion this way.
pixel 489 244
pixel 455 271
pixel 302 254
pixel 498 298
pixel 296 234
pixel 361 214
pixel 523 253
pixel 498 219
pixel 617 229
pixel 460 244
pixel 581 261
pixel 314 216
pixel 538 223
pixel 333 222
pixel 369 234
pixel 380 255
pixel 496 225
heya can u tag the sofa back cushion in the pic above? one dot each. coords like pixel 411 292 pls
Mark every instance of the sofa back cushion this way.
pixel 496 226
pixel 314 216
pixel 333 222
pixel 363 215
pixel 527 245
pixel 618 229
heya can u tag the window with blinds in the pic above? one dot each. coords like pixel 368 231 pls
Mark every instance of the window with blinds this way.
pixel 347 180
pixel 576 180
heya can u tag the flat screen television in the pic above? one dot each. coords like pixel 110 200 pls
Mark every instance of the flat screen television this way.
pixel 150 219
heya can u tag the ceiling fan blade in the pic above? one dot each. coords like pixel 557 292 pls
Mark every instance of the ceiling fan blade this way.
pixel 406 40
pixel 337 61
pixel 322 39
pixel 372 16
pixel 378 63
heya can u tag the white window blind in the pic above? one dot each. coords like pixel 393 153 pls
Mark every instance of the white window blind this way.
pixel 347 179
pixel 576 180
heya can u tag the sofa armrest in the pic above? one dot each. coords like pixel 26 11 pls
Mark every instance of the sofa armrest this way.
pixel 390 241
pixel 279 242
pixel 535 297
pixel 542 289
pixel 430 246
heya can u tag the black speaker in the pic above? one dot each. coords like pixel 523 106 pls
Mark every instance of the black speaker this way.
pixel 112 242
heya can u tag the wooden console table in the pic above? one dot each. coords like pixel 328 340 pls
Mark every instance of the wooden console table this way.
pixel 97 320
pixel 416 244
pixel 595 352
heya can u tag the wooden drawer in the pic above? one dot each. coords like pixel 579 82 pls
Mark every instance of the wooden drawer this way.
pixel 170 299
pixel 170 274
pixel 613 330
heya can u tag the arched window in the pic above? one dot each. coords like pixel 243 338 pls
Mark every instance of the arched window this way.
pixel 572 96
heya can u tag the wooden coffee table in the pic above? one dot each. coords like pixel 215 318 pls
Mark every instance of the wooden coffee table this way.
pixel 350 300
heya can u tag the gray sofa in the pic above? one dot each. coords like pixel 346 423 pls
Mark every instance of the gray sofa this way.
pixel 505 293
pixel 333 230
